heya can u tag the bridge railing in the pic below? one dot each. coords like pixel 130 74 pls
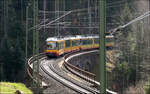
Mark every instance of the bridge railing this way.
pixel 87 74
pixel 30 66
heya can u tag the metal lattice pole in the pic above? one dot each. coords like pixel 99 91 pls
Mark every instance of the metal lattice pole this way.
pixel 26 46
pixel 89 15
pixel 5 17
pixel 35 42
pixel 44 8
pixel 26 40
pixel 102 11
pixel 57 16
pixel 22 11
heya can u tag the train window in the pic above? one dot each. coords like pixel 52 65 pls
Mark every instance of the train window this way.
pixel 90 41
pixel 51 45
pixel 75 42
pixel 61 45
pixel 96 40
pixel 67 43
pixel 107 33
pixel 87 42
pixel 109 39
pixel 84 42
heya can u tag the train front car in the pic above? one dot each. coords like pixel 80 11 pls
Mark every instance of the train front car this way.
pixel 110 41
pixel 52 47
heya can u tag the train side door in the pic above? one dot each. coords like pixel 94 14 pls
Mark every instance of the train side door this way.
pixel 68 46
pixel 61 47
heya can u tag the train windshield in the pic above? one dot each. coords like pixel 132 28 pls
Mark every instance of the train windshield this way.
pixel 109 39
pixel 51 45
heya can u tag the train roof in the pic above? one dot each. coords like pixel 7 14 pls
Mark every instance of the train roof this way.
pixel 109 36
pixel 53 39
pixel 75 37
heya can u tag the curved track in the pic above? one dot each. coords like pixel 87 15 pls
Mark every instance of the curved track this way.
pixel 51 68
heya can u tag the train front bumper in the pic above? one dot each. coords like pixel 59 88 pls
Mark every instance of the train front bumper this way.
pixel 51 53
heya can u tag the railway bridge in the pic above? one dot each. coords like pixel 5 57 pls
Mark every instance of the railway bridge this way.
pixel 63 74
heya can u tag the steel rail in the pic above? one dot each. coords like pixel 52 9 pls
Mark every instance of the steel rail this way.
pixel 29 66
pixel 82 86
pixel 30 70
pixel 67 65
pixel 83 72
pixel 64 81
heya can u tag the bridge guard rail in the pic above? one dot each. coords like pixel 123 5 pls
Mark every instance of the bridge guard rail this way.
pixel 79 70
pixel 30 69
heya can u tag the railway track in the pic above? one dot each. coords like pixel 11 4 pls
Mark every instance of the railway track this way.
pixel 51 70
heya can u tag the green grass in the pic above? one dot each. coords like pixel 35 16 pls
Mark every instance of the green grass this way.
pixel 147 87
pixel 10 88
